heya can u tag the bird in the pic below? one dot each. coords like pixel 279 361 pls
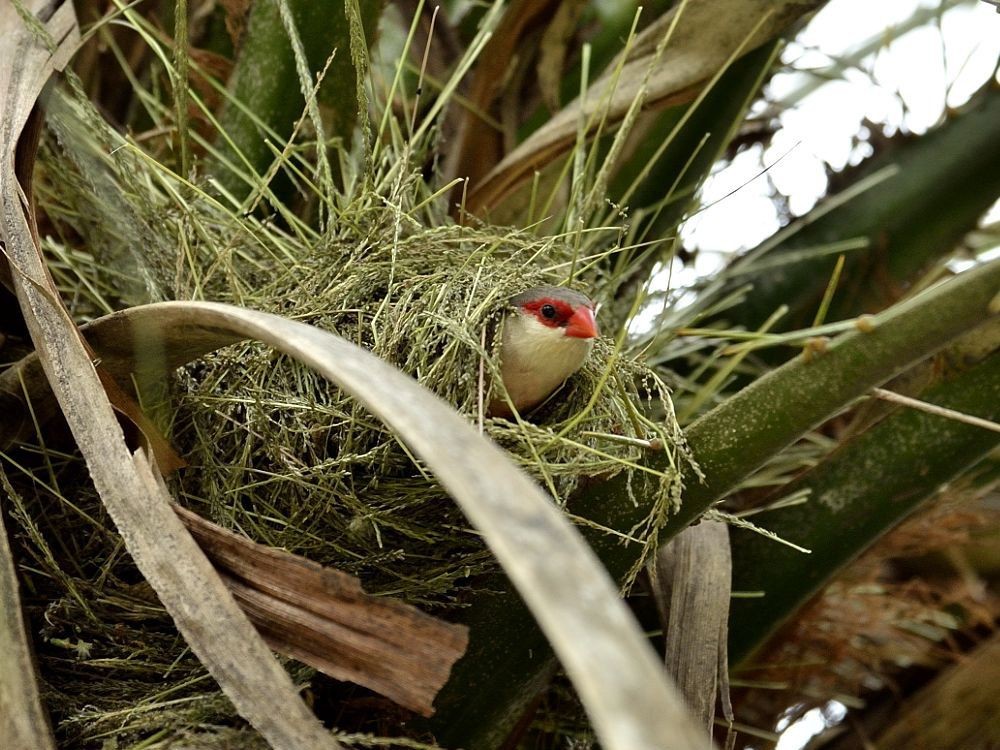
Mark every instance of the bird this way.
pixel 548 333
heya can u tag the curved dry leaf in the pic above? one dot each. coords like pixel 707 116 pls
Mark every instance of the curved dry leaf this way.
pixel 206 614
pixel 24 724
pixel 693 590
pixel 615 672
pixel 322 617
pixel 706 35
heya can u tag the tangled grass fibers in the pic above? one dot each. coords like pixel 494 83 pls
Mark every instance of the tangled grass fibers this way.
pixel 283 455
pixel 274 450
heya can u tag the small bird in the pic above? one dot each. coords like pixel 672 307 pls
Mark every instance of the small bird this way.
pixel 547 336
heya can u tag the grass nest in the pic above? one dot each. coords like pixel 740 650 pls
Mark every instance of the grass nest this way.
pixel 274 450
pixel 283 455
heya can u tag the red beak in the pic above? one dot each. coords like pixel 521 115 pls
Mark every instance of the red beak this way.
pixel 581 324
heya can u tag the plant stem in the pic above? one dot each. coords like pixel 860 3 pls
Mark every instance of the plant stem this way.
pixel 736 438
pixel 508 659
pixel 861 491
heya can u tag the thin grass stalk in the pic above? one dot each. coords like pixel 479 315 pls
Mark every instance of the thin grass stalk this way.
pixel 180 83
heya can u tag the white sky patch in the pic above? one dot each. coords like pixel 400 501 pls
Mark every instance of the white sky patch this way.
pixel 796 735
pixel 751 201
pixel 904 84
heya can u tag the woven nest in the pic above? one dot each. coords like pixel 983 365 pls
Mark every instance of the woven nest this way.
pixel 275 451
pixel 281 454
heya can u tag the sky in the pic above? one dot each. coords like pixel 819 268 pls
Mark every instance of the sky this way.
pixel 904 84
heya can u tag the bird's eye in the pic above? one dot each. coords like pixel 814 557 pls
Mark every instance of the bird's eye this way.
pixel 548 312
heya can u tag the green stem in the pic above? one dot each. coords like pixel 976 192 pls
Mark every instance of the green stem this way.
pixel 508 659
pixel 861 491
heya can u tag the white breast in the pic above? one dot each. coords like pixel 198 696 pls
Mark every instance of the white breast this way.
pixel 535 360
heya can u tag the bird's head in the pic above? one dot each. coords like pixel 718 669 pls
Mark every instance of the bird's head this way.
pixel 547 336
pixel 559 309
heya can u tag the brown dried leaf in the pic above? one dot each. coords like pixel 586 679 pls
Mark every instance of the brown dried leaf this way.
pixel 323 618
pixel 694 571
